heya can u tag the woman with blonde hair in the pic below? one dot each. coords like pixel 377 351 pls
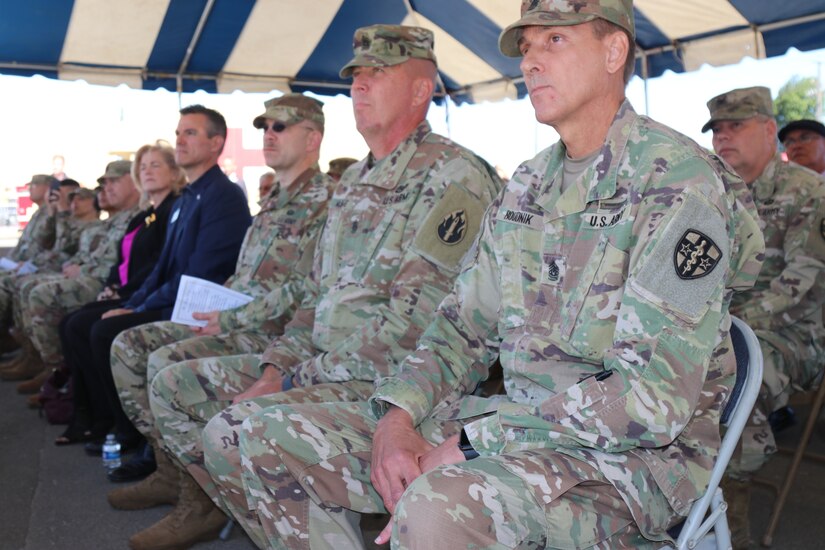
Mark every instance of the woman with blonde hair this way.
pixel 160 179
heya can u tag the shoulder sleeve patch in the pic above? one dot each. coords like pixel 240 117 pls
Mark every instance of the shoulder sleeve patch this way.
pixel 682 273
pixel 450 228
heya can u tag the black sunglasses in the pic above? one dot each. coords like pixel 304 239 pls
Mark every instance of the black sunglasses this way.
pixel 276 127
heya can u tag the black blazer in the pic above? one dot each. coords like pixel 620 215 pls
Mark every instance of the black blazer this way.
pixel 146 246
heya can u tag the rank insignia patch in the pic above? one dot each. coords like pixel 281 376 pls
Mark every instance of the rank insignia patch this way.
pixel 453 227
pixel 696 255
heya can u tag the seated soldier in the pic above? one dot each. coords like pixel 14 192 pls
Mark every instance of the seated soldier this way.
pixel 399 225
pixel 784 308
pixel 601 280
pixel 41 300
pixel 276 254
pixel 804 141
pixel 28 247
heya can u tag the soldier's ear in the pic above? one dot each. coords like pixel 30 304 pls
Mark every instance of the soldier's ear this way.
pixel 616 46
pixel 422 91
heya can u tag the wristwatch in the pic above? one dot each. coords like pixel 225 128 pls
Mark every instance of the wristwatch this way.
pixel 465 447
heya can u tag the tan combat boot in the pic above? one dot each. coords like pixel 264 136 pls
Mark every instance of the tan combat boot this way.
pixel 160 487
pixel 29 365
pixel 7 342
pixel 13 360
pixel 738 496
pixel 33 385
pixel 194 519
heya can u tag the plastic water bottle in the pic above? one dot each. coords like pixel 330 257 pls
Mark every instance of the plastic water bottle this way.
pixel 111 453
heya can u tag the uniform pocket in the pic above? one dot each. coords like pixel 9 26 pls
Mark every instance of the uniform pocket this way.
pixel 592 309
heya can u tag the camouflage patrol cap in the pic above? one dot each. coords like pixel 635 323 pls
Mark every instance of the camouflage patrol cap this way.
pixel 740 104
pixel 116 169
pixel 83 193
pixel 291 109
pixel 387 45
pixel 41 179
pixel 339 165
pixel 551 13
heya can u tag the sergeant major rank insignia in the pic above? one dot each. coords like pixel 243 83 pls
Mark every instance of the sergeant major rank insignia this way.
pixel 453 227
pixel 695 255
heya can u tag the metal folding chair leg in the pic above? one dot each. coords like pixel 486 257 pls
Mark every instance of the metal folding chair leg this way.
pixel 798 455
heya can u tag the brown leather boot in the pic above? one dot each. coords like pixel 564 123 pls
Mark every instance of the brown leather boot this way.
pixel 33 385
pixel 13 360
pixel 194 519
pixel 738 496
pixel 7 342
pixel 28 367
pixel 161 487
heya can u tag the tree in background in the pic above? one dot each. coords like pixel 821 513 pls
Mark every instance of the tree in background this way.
pixel 797 99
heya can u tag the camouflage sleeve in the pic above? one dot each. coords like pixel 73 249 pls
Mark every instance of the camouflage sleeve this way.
pixel 295 345
pixel 458 346
pixel 280 302
pixel 443 227
pixel 65 246
pixel 797 292
pixel 105 253
pixel 45 234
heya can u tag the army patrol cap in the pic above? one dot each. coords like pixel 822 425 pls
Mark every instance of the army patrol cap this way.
pixel 82 193
pixel 291 109
pixel 41 179
pixel 339 165
pixel 553 13
pixel 810 125
pixel 740 104
pixel 116 170
pixel 388 45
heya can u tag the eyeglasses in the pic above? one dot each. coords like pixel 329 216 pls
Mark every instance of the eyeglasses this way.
pixel 279 127
pixel 803 138
pixel 276 127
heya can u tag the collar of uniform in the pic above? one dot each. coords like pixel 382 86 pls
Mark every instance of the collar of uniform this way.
pixel 602 175
pixel 765 185
pixel 280 197
pixel 387 172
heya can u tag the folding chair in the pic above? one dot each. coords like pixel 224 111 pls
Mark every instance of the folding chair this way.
pixel 817 398
pixel 706 526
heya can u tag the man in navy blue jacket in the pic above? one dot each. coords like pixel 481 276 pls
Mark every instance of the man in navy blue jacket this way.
pixel 206 230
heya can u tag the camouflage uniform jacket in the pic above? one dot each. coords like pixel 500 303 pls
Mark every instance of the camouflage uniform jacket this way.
pixel 790 290
pixel 103 241
pixel 393 243
pixel 31 240
pixel 67 238
pixel 280 241
pixel 603 318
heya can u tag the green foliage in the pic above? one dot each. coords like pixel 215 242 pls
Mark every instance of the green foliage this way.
pixel 796 100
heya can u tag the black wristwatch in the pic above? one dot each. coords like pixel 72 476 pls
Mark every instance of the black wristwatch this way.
pixel 465 447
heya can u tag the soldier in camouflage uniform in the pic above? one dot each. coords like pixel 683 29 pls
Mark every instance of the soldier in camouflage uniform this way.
pixel 400 223
pixel 27 249
pixel 69 217
pixel 276 255
pixel 44 300
pixel 601 281
pixel 785 305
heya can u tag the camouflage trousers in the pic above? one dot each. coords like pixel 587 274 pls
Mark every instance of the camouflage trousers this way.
pixel 306 472
pixel 49 299
pixel 792 362
pixel 139 353
pixel 8 290
pixel 192 405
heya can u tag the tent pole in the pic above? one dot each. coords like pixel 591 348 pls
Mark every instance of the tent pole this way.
pixel 646 79
pixel 196 36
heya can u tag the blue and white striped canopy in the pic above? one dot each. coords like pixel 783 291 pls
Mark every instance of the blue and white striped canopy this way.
pixel 263 45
